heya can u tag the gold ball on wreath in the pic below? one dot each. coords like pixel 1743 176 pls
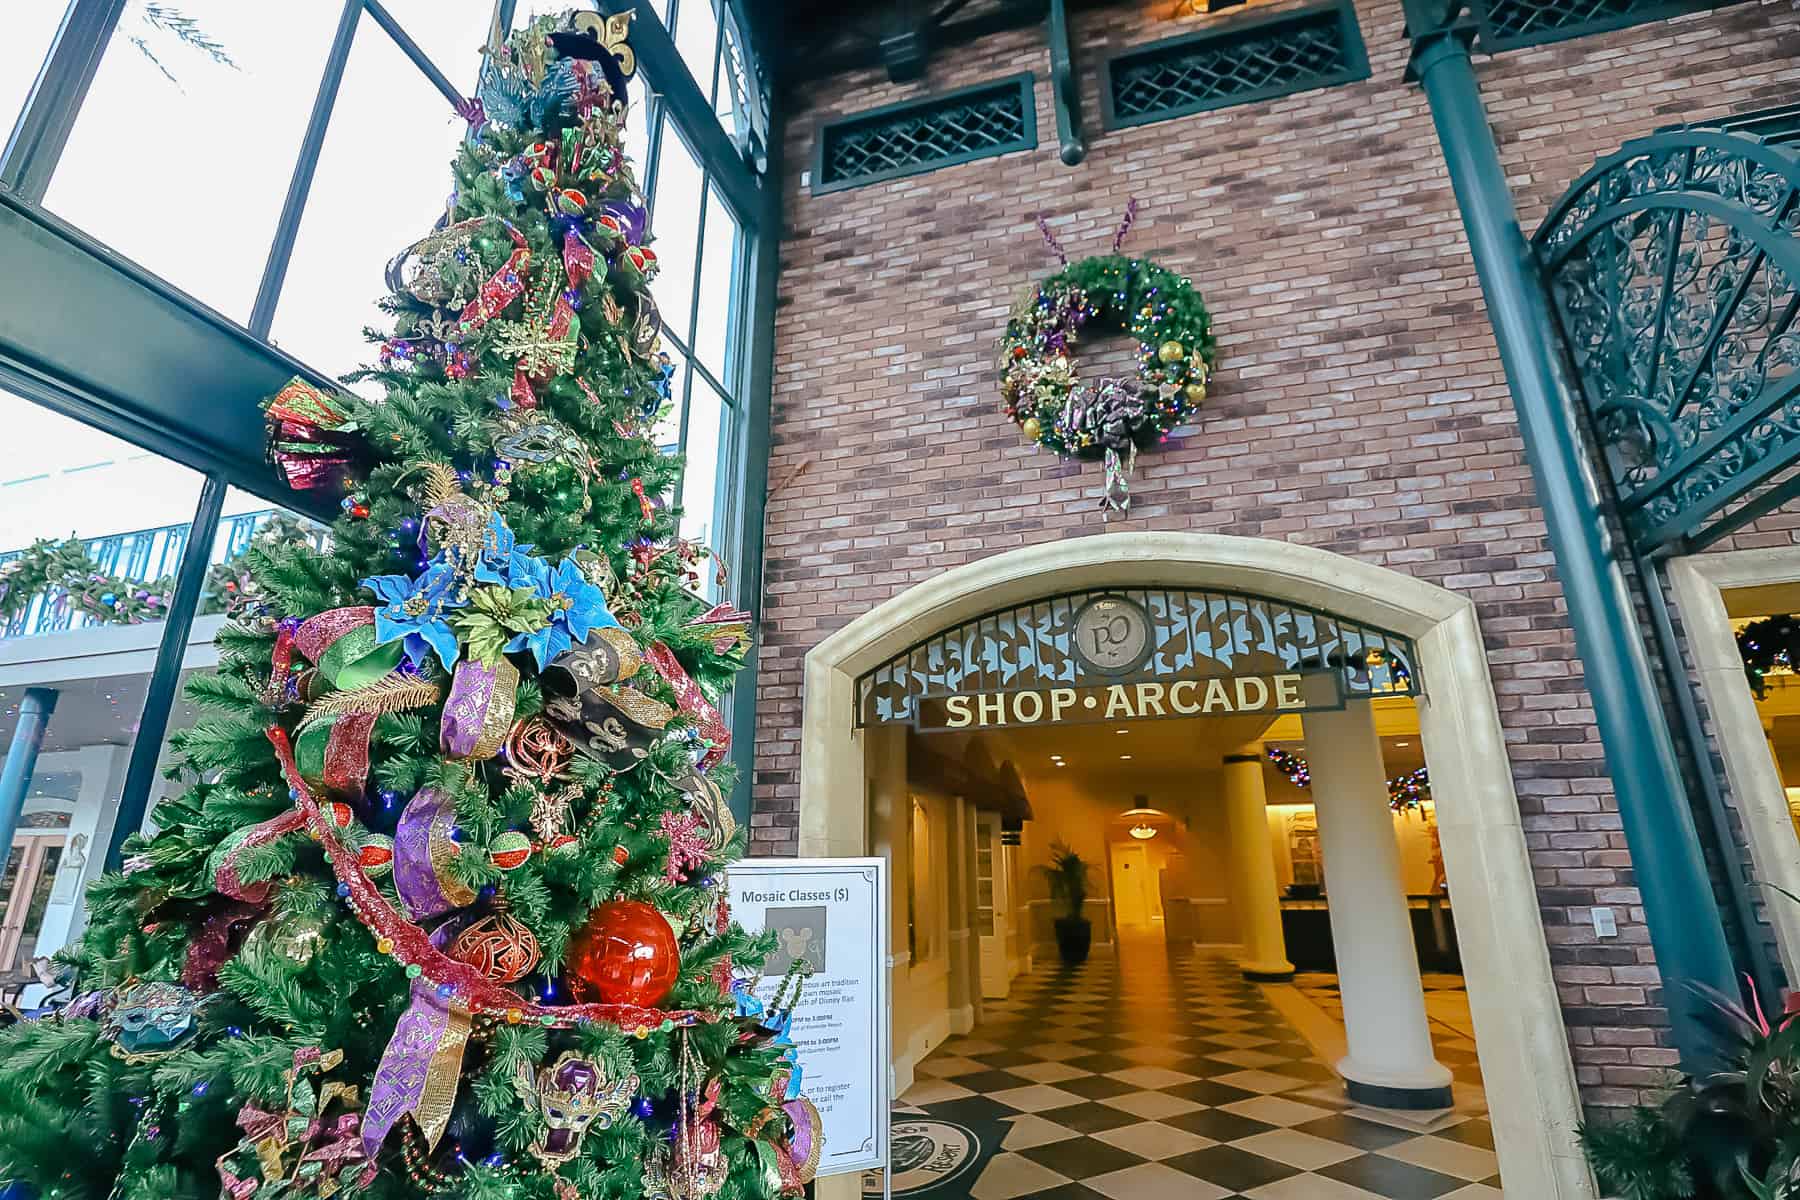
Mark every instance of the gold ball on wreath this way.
pixel 1171 352
pixel 1196 392
pixel 1032 428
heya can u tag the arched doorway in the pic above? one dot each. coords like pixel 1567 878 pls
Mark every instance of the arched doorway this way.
pixel 1524 1056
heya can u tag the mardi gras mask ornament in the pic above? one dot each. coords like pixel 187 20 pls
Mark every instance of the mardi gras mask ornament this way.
pixel 151 1020
pixel 574 1095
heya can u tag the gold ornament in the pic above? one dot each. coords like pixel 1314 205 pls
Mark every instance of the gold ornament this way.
pixel 1171 352
pixel 296 938
pixel 1196 392
pixel 1032 428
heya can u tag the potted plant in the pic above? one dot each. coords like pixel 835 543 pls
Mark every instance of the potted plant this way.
pixel 1068 875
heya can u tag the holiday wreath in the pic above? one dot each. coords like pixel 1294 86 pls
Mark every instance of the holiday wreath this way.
pixel 1118 417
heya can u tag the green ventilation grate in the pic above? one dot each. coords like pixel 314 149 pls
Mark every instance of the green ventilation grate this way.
pixel 1511 24
pixel 923 135
pixel 1234 63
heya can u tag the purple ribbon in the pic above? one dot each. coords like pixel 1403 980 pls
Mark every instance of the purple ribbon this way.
pixel 422 850
pixel 422 1061
pixel 466 709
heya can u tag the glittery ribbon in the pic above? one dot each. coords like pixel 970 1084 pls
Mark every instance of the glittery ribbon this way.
pixel 578 258
pixel 411 944
pixel 334 752
pixel 521 393
pixel 479 711
pixel 502 288
pixel 645 508
pixel 209 950
pixel 341 643
pixel 423 849
pixel 419 1070
pixel 311 438
pixel 693 704
pixel 724 624
pixel 223 862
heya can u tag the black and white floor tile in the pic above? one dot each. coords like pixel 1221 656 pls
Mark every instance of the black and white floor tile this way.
pixel 1163 1075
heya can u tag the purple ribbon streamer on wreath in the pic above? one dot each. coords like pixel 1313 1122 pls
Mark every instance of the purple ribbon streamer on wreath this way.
pixel 421 840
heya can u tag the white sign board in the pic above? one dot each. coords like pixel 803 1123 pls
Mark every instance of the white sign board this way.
pixel 834 913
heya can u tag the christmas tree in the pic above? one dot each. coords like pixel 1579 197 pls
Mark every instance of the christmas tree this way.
pixel 441 908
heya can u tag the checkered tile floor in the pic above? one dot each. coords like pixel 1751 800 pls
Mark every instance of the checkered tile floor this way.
pixel 1164 1075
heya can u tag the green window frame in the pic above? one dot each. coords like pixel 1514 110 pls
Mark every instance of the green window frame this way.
pixel 1125 77
pixel 912 120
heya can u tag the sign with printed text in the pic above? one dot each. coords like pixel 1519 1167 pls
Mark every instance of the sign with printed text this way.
pixel 833 912
pixel 1199 696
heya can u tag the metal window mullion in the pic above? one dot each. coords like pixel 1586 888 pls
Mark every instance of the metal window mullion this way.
pixel 42 130
pixel 281 251
pixel 165 676
pixel 410 48
pixel 687 403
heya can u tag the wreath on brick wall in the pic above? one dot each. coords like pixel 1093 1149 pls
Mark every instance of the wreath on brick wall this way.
pixel 1115 418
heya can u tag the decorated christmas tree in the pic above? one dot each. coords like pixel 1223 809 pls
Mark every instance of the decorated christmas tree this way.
pixel 441 910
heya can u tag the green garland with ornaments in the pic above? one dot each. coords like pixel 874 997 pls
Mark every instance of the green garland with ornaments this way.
pixel 1106 294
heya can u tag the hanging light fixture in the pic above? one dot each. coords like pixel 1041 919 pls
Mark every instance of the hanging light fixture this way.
pixel 1142 833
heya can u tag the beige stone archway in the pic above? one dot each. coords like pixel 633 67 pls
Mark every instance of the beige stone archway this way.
pixel 1524 1052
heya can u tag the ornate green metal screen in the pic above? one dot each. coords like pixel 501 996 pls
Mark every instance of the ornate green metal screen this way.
pixel 923 135
pixel 1673 268
pixel 1187 635
pixel 1510 24
pixel 1241 61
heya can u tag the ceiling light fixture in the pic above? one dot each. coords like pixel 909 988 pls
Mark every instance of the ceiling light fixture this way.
pixel 1142 833
pixel 1124 756
pixel 1402 743
pixel 1121 731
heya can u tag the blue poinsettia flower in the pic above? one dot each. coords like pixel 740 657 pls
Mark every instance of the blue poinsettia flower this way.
pixel 577 607
pixel 415 610
pixel 499 551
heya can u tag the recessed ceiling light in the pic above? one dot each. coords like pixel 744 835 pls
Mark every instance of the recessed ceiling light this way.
pixel 1402 743
pixel 1061 763
pixel 1124 756
pixel 1121 731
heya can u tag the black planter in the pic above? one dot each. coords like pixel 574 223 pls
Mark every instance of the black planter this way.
pixel 1073 936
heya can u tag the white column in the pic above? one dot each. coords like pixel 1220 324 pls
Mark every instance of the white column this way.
pixel 1390 1063
pixel 1253 890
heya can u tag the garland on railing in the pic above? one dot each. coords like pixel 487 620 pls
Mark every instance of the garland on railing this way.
pixel 106 598
pixel 48 565
pixel 1405 792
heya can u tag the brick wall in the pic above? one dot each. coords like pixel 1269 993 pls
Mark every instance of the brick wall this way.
pixel 1360 405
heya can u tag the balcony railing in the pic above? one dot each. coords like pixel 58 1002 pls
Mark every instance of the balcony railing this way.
pixel 142 556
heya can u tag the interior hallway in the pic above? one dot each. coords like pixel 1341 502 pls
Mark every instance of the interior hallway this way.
pixel 1162 1074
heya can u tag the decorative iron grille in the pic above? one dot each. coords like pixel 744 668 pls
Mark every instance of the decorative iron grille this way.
pixel 1511 24
pixel 1193 634
pixel 1674 269
pixel 923 135
pixel 1234 63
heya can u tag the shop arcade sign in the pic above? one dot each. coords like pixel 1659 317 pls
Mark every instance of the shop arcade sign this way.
pixel 1194 696
pixel 1112 636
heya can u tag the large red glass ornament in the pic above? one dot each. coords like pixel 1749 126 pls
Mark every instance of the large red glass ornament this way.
pixel 625 954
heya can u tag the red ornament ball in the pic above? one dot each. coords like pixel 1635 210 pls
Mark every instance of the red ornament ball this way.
pixel 625 954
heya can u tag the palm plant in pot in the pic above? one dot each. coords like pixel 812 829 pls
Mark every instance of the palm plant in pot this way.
pixel 1068 876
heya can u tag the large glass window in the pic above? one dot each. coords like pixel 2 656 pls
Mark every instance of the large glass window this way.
pixel 181 154
pixel 30 29
pixel 383 180
pixel 80 622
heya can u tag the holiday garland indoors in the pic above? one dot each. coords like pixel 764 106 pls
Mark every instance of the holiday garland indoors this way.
pixel 441 910
pixel 1115 418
